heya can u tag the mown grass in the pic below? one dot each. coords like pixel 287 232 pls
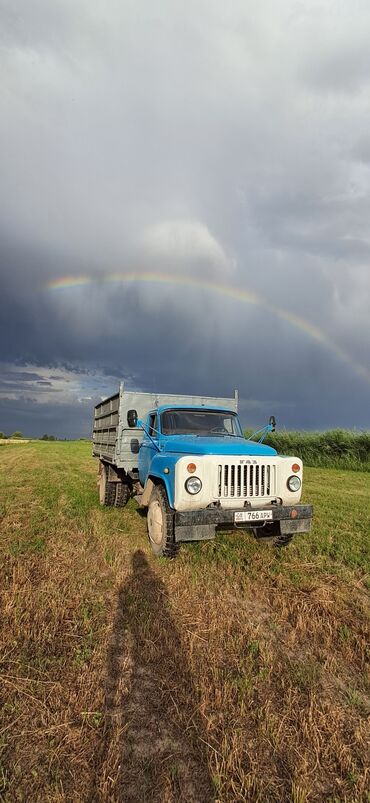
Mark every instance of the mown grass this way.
pixel 337 448
pixel 230 674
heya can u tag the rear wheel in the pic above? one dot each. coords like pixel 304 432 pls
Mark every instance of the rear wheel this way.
pixel 161 529
pixel 122 494
pixel 107 490
pixel 270 534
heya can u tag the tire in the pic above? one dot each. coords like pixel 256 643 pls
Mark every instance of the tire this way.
pixel 270 534
pixel 122 494
pixel 161 528
pixel 107 490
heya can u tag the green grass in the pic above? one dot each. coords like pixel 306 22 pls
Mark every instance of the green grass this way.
pixel 338 544
pixel 337 448
pixel 248 666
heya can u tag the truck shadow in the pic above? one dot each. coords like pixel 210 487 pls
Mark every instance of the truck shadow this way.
pixel 153 746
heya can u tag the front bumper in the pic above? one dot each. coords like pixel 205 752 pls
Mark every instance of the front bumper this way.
pixel 198 525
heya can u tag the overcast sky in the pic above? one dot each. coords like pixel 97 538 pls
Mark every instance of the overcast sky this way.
pixel 226 146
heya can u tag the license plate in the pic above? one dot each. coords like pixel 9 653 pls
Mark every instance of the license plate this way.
pixel 252 515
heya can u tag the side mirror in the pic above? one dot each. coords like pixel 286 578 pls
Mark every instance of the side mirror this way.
pixel 272 423
pixel 132 418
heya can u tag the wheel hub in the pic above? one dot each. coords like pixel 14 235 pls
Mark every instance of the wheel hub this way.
pixel 155 523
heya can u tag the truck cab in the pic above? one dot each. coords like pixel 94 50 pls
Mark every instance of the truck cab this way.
pixel 183 429
pixel 196 466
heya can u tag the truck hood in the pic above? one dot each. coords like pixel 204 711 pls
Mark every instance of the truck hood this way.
pixel 191 444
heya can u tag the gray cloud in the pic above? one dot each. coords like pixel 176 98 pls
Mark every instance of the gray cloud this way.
pixel 224 145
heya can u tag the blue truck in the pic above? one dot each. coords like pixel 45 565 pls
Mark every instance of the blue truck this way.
pixel 186 460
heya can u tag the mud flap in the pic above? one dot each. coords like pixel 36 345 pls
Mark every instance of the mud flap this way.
pixel 195 532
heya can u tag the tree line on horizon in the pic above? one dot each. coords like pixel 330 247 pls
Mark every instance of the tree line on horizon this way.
pixel 337 448
pixel 19 435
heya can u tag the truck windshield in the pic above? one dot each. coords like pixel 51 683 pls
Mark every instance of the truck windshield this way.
pixel 200 422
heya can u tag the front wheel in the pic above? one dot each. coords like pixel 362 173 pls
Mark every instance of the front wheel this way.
pixel 161 529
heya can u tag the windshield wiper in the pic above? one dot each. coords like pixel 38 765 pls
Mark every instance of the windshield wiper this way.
pixel 203 434
pixel 221 435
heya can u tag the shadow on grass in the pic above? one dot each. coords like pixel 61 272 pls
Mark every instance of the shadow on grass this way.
pixel 153 745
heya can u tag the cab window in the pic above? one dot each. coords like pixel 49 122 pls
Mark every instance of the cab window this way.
pixel 153 425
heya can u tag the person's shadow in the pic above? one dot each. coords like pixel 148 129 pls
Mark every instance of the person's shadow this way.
pixel 153 747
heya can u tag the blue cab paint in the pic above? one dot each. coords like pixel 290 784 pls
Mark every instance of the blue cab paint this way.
pixel 159 451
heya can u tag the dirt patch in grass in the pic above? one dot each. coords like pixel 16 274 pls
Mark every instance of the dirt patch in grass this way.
pixel 230 674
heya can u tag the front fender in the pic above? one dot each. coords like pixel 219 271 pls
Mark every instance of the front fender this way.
pixel 156 472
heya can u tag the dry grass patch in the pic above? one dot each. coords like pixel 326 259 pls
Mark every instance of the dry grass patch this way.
pixel 230 674
pixel 4 441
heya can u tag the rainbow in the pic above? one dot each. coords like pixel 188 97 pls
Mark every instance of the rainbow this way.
pixel 235 293
pixel 69 281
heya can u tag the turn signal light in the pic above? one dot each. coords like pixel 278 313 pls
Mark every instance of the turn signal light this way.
pixel 191 468
pixel 296 467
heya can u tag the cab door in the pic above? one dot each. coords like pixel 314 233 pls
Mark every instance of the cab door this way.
pixel 147 447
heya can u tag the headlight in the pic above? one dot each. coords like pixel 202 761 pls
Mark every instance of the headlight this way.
pixel 193 485
pixel 294 483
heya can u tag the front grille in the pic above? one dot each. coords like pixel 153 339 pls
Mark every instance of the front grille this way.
pixel 246 481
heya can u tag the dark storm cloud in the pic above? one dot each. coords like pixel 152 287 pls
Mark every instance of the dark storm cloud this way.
pixel 220 144
pixel 18 376
pixel 33 419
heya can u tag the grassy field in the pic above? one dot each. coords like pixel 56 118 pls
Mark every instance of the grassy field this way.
pixel 336 448
pixel 230 674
